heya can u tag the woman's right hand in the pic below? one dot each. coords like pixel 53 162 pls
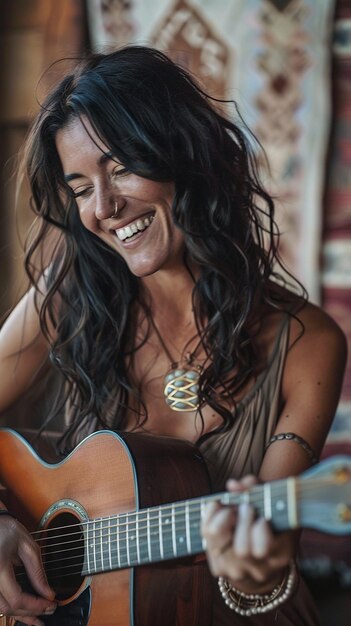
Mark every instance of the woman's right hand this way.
pixel 18 548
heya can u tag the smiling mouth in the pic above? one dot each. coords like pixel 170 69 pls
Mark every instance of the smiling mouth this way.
pixel 134 228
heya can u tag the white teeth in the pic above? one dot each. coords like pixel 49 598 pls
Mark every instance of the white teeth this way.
pixel 135 227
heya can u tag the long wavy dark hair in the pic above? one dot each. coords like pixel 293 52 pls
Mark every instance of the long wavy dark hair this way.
pixel 161 125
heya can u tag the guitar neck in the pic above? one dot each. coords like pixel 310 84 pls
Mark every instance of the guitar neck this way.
pixel 173 530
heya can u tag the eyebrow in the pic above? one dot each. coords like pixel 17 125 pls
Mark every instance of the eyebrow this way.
pixel 106 156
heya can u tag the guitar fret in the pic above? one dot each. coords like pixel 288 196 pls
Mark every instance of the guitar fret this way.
pixel 187 528
pixel 137 537
pixel 109 542
pixel 87 546
pixel 101 546
pixel 127 539
pixel 202 512
pixel 94 546
pixel 174 540
pixel 291 499
pixel 117 543
pixel 148 534
pixel 160 532
pixel 267 501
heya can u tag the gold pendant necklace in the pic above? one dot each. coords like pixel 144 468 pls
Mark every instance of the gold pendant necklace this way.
pixel 181 384
pixel 181 389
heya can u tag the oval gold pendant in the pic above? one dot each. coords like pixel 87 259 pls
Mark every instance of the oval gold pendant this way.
pixel 181 390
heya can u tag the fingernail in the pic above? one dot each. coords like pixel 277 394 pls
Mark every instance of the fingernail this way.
pixel 244 510
pixel 49 610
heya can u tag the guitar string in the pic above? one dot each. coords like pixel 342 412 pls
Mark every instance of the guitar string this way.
pixel 255 494
pixel 103 536
pixel 132 531
pixel 124 555
pixel 114 542
pixel 124 522
pixel 122 551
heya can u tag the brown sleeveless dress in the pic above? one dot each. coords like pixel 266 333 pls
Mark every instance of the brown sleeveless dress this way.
pixel 240 451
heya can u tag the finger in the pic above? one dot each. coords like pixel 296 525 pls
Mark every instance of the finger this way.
pixel 30 555
pixel 218 535
pixel 242 536
pixel 19 602
pixel 209 511
pixel 30 621
pixel 240 485
pixel 219 526
pixel 262 539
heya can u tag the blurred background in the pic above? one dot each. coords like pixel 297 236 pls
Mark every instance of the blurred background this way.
pixel 287 64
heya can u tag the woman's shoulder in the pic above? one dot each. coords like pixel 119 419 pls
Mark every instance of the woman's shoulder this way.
pixel 312 323
pixel 309 326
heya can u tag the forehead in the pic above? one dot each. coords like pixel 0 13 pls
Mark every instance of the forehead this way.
pixel 78 141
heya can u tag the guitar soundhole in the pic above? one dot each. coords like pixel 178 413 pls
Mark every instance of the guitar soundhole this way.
pixel 62 549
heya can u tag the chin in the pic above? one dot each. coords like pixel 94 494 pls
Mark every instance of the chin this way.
pixel 142 270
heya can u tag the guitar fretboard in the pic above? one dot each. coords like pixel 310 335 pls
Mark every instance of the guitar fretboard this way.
pixel 173 530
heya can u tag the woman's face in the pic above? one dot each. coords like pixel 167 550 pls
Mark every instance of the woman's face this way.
pixel 143 232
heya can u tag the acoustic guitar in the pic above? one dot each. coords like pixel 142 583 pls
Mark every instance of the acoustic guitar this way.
pixel 118 524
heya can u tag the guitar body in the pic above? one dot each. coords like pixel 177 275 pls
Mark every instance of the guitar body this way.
pixel 107 474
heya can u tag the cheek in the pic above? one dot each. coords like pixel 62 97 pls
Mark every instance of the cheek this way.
pixel 87 217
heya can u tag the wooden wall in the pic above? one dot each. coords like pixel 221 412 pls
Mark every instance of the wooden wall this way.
pixel 33 35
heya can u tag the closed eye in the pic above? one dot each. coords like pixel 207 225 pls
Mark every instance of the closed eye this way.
pixel 119 171
pixel 77 193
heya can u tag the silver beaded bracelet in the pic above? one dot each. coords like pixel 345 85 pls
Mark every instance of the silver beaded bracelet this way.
pixel 251 604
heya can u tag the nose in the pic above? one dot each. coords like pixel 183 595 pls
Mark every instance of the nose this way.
pixel 109 205
pixel 105 204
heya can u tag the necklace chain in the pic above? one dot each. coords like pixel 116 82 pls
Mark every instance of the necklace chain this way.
pixel 181 384
pixel 189 356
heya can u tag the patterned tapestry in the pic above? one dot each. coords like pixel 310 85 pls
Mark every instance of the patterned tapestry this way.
pixel 334 556
pixel 336 277
pixel 272 57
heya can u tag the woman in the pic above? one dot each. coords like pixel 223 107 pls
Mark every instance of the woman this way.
pixel 164 279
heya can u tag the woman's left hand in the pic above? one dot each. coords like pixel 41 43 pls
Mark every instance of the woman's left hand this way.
pixel 243 548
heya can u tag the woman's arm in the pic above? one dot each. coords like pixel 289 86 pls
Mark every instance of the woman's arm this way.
pixel 23 355
pixel 310 392
pixel 242 548
pixel 23 351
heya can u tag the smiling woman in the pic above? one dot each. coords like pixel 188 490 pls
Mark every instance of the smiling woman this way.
pixel 163 311
pixel 98 182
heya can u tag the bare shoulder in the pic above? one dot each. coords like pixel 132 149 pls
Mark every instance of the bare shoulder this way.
pixel 316 357
pixel 312 325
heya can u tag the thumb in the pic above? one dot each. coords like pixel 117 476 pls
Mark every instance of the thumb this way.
pixel 32 562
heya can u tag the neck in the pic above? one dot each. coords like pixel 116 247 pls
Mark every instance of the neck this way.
pixel 170 294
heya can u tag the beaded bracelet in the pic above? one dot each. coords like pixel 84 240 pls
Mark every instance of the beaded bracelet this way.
pixel 251 604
